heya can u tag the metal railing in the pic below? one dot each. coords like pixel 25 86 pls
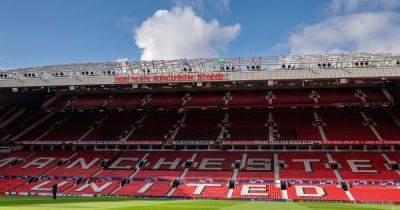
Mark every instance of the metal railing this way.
pixel 204 65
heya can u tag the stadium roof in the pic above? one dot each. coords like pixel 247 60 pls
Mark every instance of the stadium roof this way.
pixel 291 67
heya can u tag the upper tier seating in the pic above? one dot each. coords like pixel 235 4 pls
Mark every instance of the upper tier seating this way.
pixel 73 127
pixel 112 127
pixel 292 97
pixel 126 100
pixel 151 129
pixel 89 100
pixel 44 127
pixel 396 112
pixel 166 100
pixel 248 98
pixel 206 99
pixel 18 121
pixel 393 156
pixel 201 126
pixel 241 122
pixel 374 95
pixel 345 125
pixel 385 126
pixel 337 95
pixel 235 98
pixel 289 128
pixel 338 125
pixel 61 102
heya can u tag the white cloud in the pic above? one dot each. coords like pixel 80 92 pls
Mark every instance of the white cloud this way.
pixel 180 33
pixel 348 6
pixel 366 32
pixel 356 26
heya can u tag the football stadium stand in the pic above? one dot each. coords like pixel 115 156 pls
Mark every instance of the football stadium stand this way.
pixel 254 129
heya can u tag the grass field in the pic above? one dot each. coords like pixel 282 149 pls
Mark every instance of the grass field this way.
pixel 70 203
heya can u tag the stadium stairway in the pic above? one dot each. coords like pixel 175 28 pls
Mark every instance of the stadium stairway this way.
pixel 370 124
pixel 11 117
pixel 32 126
pixel 134 126
pixel 319 123
pixel 335 166
pixel 92 127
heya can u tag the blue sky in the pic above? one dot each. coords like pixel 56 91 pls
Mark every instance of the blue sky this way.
pixel 43 32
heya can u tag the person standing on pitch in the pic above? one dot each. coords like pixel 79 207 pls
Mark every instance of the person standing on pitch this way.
pixel 54 189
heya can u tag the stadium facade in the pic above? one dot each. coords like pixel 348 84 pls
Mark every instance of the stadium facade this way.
pixel 291 128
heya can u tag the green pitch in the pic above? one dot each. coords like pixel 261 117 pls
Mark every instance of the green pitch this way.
pixel 71 203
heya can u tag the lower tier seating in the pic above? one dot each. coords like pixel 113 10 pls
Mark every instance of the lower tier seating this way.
pixel 257 190
pixel 202 190
pixel 376 193
pixel 316 192
pixel 140 188
pixel 7 185
pixel 208 174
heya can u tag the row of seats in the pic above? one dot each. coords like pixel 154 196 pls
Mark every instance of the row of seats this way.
pixel 283 97
pixel 265 191
pixel 168 165
pixel 309 175
pixel 323 125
